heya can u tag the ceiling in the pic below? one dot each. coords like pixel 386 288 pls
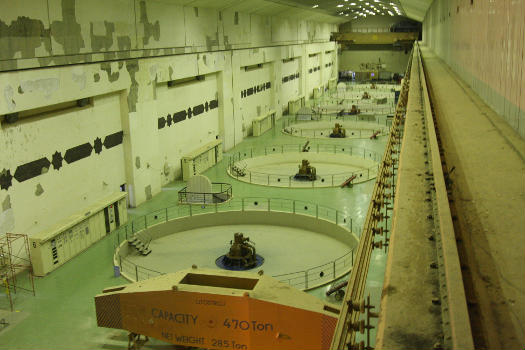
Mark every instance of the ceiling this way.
pixel 329 11
pixel 416 9
pixel 413 9
pixel 283 8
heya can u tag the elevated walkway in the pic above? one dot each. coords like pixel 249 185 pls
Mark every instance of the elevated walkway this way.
pixel 488 199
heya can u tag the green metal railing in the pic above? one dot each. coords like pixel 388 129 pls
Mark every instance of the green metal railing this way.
pixel 286 180
pixel 304 279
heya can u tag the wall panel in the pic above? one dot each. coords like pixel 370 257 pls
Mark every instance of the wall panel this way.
pixel 490 58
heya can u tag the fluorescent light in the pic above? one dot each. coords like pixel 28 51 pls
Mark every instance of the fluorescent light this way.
pixel 340 5
pixel 315 6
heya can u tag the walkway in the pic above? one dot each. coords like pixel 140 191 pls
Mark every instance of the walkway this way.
pixel 489 199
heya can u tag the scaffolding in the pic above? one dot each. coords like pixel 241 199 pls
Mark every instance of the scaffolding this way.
pixel 12 263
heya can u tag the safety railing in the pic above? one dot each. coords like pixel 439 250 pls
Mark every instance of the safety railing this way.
pixel 310 277
pixel 238 171
pixel 367 87
pixel 375 226
pixel 350 132
pixel 220 192
pixel 369 30
pixel 333 106
pixel 380 120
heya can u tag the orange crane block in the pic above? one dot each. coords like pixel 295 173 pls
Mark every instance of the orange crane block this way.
pixel 216 309
pixel 374 135
pixel 348 181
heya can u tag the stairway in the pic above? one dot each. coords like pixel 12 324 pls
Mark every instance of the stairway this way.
pixel 140 246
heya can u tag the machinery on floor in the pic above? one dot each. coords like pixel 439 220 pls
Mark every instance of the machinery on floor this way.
pixel 241 255
pixel 216 309
pixel 306 172
pixel 306 146
pixel 338 131
pixel 354 110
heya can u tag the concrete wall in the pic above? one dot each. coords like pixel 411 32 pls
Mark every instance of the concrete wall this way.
pixel 395 60
pixel 483 42
pixel 59 158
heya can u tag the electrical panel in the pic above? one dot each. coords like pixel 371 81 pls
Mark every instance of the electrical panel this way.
pixel 263 123
pixel 201 159
pixel 295 105
pixel 53 247
pixel 318 91
pixel 332 83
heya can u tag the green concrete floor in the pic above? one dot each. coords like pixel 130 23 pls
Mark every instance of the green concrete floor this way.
pixel 62 314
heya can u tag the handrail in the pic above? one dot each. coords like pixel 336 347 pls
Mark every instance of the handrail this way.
pixel 207 197
pixel 458 314
pixel 380 120
pixel 384 190
pixel 302 279
pixel 275 179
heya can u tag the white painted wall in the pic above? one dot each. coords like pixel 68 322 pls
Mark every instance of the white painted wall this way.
pixel 131 94
pixel 62 189
pixel 291 87
pixel 176 139
pixel 394 61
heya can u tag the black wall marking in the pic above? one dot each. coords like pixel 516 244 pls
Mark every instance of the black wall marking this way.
pixel 29 170
pixel 161 122
pixel 256 89
pixel 114 139
pixel 57 160
pixel 187 113
pixel 41 166
pixel 328 64
pixel 179 116
pixel 198 110
pixel 77 153
pixel 97 145
pixel 6 179
pixel 290 77
pixel 310 70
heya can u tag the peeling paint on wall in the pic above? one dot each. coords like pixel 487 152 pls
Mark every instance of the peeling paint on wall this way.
pixel 23 35
pixel 39 190
pixel 68 32
pixel 147 190
pixel 48 86
pixel 8 96
pixel 96 77
pixel 102 42
pixel 133 96
pixel 79 76
pixel 150 29
pixel 112 76
pixel 212 41
pixel 6 203
pixel 124 43
pixel 137 162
